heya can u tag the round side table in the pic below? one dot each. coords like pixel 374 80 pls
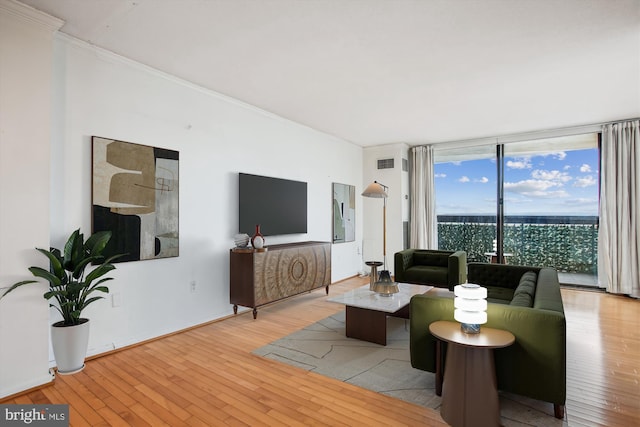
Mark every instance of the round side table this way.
pixel 470 392
pixel 373 276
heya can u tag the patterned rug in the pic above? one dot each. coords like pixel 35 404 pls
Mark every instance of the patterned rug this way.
pixel 323 348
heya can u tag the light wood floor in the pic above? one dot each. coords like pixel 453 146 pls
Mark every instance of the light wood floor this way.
pixel 208 376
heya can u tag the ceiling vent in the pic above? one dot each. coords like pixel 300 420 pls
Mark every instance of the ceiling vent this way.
pixel 385 164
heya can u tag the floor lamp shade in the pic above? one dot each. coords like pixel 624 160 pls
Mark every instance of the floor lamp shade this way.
pixel 375 189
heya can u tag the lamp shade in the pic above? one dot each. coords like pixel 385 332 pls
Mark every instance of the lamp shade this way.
pixel 375 189
pixel 385 286
pixel 470 306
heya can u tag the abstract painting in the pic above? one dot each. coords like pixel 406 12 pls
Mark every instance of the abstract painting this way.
pixel 344 213
pixel 135 195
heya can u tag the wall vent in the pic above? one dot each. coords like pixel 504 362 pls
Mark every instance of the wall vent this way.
pixel 385 164
pixel 405 165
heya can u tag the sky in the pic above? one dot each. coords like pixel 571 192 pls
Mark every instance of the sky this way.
pixel 558 183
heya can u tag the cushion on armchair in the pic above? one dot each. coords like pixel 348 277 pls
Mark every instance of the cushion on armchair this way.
pixel 431 259
pixel 426 273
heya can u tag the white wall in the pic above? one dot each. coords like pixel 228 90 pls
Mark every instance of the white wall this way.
pixel 101 94
pixel 98 93
pixel 25 87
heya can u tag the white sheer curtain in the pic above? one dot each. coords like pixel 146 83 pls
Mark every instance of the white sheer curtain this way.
pixel 423 220
pixel 618 243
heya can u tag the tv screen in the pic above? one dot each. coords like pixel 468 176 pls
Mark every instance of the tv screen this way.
pixel 278 205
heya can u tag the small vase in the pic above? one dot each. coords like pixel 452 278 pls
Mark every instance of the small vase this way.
pixel 257 241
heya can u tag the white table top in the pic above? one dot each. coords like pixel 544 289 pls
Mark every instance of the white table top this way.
pixel 362 297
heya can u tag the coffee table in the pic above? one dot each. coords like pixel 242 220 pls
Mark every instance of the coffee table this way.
pixel 367 311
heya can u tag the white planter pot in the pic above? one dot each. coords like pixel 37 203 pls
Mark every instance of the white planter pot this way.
pixel 70 346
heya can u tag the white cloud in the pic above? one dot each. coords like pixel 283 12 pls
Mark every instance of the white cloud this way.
pixel 464 179
pixel 566 167
pixel 560 155
pixel 585 168
pixel 529 185
pixel 538 188
pixel 440 175
pixel 585 181
pixel 581 201
pixel 482 180
pixel 553 175
pixel 519 163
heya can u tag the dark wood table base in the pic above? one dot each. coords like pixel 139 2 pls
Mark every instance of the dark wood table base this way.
pixel 366 325
pixel 472 380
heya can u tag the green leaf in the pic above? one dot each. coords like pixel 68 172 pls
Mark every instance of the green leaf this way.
pixel 47 275
pixel 17 285
pixel 80 267
pixel 97 242
pixel 99 272
pixel 73 250
pixel 89 301
pixel 54 261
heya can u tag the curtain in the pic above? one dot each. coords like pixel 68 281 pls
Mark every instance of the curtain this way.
pixel 423 221
pixel 618 244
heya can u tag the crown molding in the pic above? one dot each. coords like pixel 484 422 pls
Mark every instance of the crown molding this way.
pixel 30 15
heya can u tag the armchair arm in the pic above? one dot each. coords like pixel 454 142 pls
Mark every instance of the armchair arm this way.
pixel 535 365
pixel 457 269
pixel 401 261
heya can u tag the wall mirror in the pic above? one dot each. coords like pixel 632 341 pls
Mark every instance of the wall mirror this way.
pixel 344 213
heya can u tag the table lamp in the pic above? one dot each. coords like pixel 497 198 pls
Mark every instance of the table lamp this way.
pixel 470 307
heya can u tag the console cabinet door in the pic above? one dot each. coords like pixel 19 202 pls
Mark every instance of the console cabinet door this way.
pixel 286 272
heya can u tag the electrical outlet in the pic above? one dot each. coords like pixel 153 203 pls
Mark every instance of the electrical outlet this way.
pixel 193 286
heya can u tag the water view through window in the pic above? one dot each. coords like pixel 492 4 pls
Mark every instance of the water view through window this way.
pixel 550 204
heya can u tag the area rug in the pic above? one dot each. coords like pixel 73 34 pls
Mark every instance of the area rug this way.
pixel 324 349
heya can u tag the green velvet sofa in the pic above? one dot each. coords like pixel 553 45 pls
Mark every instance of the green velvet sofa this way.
pixel 535 365
pixel 443 269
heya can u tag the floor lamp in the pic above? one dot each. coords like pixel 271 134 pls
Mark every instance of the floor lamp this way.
pixel 384 285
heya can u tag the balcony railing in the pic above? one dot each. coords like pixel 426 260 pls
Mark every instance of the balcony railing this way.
pixel 567 243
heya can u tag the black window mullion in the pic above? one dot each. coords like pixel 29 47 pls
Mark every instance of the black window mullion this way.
pixel 500 203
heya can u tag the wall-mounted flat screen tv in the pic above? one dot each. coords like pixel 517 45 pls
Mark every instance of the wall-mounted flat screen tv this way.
pixel 278 205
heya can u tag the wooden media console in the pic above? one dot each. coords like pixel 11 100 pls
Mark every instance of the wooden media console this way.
pixel 261 277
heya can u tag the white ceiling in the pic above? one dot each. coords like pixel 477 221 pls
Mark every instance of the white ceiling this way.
pixel 386 71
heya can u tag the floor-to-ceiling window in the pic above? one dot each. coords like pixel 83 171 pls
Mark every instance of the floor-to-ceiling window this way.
pixel 548 215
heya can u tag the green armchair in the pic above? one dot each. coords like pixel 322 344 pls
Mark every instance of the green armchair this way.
pixel 443 269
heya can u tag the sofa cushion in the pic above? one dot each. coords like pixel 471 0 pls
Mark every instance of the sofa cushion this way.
pixel 427 274
pixel 430 258
pixel 526 290
pixel 499 295
pixel 522 300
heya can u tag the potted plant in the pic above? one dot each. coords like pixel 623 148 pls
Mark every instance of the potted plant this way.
pixel 73 291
